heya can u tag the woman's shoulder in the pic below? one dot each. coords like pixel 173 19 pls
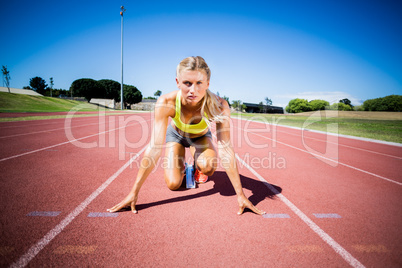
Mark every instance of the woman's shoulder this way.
pixel 167 103
pixel 168 98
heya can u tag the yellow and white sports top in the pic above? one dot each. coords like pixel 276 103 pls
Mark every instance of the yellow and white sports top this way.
pixel 188 128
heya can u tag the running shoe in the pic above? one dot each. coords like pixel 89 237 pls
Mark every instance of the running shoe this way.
pixel 200 177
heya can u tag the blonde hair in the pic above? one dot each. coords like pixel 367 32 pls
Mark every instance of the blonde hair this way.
pixel 211 105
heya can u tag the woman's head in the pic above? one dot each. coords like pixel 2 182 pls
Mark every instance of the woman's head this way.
pixel 193 64
pixel 192 77
pixel 193 80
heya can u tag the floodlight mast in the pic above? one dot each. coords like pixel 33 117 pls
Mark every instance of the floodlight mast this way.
pixel 121 89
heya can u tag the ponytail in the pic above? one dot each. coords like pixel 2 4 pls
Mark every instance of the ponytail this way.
pixel 212 107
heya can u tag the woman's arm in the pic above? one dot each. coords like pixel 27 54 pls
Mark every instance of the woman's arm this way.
pixel 228 161
pixel 151 156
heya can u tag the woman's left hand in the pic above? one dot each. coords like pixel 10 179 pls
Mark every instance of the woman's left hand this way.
pixel 245 203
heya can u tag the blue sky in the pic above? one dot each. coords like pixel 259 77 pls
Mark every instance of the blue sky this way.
pixel 278 49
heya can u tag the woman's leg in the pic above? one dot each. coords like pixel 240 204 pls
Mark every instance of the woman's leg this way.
pixel 204 154
pixel 174 167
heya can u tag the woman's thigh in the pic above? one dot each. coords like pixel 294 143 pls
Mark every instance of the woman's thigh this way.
pixel 174 165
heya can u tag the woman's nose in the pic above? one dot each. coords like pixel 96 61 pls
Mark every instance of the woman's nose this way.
pixel 192 88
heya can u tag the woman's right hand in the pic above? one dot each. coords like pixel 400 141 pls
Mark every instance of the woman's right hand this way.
pixel 129 201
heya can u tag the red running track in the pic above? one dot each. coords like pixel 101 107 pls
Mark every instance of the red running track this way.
pixel 330 201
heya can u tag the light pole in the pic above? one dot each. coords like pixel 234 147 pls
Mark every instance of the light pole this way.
pixel 121 90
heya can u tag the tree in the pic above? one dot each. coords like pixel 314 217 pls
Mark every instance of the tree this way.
pixel 340 106
pixel 358 108
pixel 347 102
pixel 261 107
pixel 131 95
pixel 298 106
pixel 38 84
pixel 238 105
pixel 394 103
pixel 158 93
pixel 6 77
pixel 59 92
pixel 268 101
pixel 318 104
pixel 87 88
pixel 391 103
pixel 111 89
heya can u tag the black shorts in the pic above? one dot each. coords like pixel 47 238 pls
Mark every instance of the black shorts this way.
pixel 173 136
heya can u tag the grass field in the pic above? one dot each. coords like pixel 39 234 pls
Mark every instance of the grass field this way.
pixel 15 103
pixel 386 126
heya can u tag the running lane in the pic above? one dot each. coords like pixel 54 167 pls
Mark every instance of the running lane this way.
pixel 41 187
pixel 354 203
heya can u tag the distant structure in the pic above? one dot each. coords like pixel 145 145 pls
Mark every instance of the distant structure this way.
pixel 20 91
pixel 144 105
pixel 262 108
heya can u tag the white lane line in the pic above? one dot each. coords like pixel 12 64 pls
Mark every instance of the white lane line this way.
pixel 102 215
pixel 339 135
pixel 77 117
pixel 328 159
pixel 342 145
pixel 327 215
pixel 44 213
pixel 35 249
pixel 276 216
pixel 23 123
pixel 49 130
pixel 59 144
pixel 323 235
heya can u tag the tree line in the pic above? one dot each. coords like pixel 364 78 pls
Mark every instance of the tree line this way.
pixel 392 103
pixel 302 105
pixel 89 89
pixel 39 85
pixel 110 89
pixel 105 89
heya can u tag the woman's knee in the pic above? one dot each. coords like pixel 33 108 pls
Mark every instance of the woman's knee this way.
pixel 209 171
pixel 207 167
pixel 173 186
pixel 173 182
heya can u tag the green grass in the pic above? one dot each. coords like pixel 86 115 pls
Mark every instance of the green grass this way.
pixel 16 103
pixel 19 103
pixel 378 129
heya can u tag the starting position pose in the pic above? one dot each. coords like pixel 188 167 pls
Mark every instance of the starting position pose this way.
pixel 192 108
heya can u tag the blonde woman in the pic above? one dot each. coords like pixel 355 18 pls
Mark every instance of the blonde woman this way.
pixel 192 108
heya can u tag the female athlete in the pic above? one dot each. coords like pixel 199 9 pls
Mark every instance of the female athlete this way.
pixel 192 109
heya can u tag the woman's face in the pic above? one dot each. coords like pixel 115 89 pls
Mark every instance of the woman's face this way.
pixel 193 85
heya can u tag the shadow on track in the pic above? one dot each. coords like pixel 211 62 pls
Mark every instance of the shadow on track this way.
pixel 222 186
